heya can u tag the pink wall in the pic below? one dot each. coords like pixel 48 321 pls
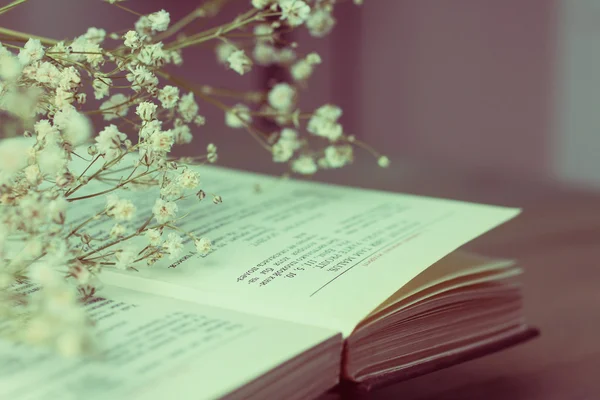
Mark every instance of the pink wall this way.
pixel 467 81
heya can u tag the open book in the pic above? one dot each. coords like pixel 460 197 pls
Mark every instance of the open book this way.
pixel 307 283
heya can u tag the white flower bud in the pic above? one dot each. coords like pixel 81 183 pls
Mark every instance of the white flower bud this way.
pixel 57 210
pixel 203 246
pixel 146 111
pixel 281 96
pixel 33 175
pixel 159 20
pixel 64 180
pixel 117 231
pixel 383 161
pixel 239 62
pixel 154 237
pixel 295 12
pixel 86 238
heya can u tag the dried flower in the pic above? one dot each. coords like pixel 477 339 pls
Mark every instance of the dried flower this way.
pixel 159 20
pixel 119 209
pixel 57 210
pixel 238 116
pixel 281 96
pixel 125 257
pixel 117 231
pixel 13 156
pixel 285 147
pixel 304 165
pixel 109 142
pixel 188 109
pixel 132 39
pixel 116 106
pixel 182 134
pixel 260 4
pixel 224 50
pixel 263 33
pixel 32 51
pixel 203 246
pixel 338 156
pixel 10 68
pixel 142 78
pixel 383 161
pixel 161 142
pixel 63 182
pixel 146 111
pixel 33 174
pixel 265 54
pixel 101 87
pixel 239 62
pixel 173 245
pixel 320 23
pixel 76 127
pixel 154 237
pixel 189 179
pixel 295 12
pixel 324 122
pixel 168 96
pixel 164 211
pixel 303 69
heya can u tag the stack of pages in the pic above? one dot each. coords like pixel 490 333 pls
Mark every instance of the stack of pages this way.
pixel 307 284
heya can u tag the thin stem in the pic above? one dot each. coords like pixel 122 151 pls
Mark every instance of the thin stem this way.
pixel 80 65
pixel 80 157
pixel 74 231
pixel 133 172
pixel 106 246
pixel 114 171
pixel 246 95
pixel 10 6
pixel 180 82
pixel 214 33
pixel 88 167
pixel 27 36
pixel 101 256
pixel 144 249
pixel 76 52
pixel 365 146
pixel 103 110
pixel 122 7
pixel 179 25
pixel 12 46
pixel 145 224
pixel 106 166
pixel 175 228
pixel 146 255
pixel 120 185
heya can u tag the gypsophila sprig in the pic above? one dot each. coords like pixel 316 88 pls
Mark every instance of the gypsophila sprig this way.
pixel 88 177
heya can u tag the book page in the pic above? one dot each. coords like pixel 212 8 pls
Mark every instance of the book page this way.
pixel 148 343
pixel 306 252
pixel 455 265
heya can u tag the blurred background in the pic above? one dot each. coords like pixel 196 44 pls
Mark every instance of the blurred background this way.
pixel 506 86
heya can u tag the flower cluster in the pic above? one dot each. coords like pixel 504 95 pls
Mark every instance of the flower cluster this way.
pixel 95 117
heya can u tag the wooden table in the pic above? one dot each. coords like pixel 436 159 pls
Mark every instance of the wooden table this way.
pixel 557 240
